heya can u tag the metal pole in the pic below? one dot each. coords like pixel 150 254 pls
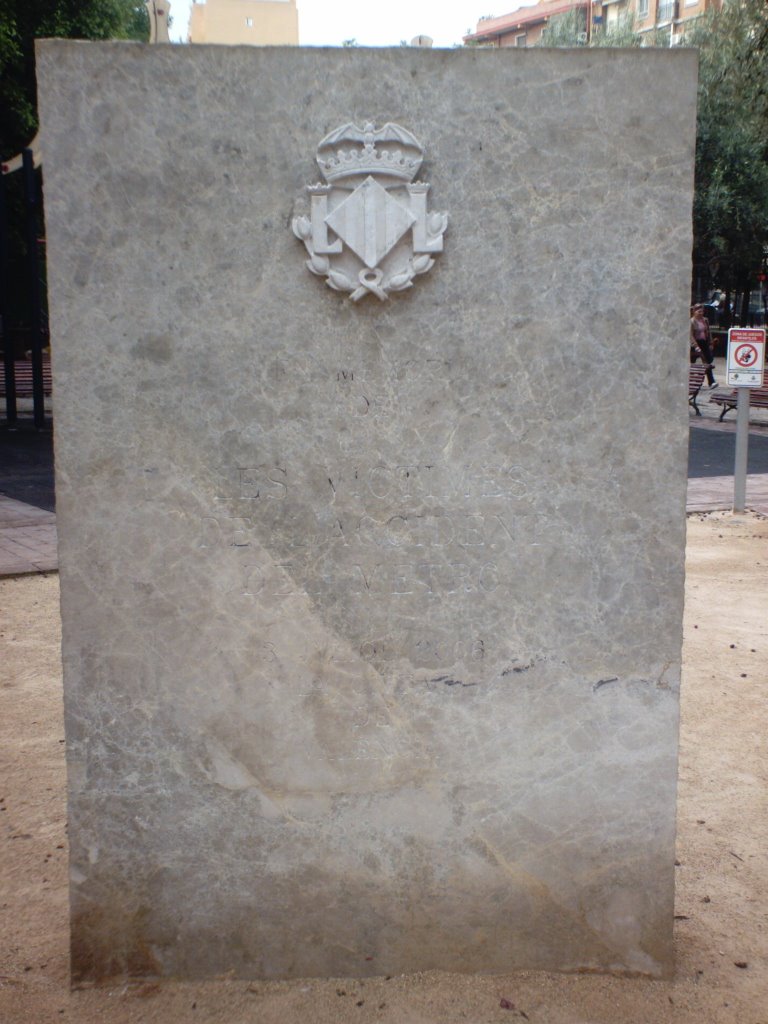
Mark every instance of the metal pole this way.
pixel 10 378
pixel 31 205
pixel 742 442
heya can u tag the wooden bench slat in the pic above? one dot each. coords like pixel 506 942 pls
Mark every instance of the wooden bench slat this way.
pixel 758 397
pixel 696 375
pixel 22 374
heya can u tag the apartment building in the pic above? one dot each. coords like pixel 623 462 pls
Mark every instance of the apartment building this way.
pixel 668 18
pixel 254 22
pixel 658 20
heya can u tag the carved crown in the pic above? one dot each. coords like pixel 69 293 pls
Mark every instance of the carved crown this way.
pixel 350 151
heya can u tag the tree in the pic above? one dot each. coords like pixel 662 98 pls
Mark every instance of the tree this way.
pixel 731 191
pixel 731 195
pixel 567 29
pixel 621 32
pixel 23 21
pixel 570 29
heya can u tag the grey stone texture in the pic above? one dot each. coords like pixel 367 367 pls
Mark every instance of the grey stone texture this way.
pixel 371 653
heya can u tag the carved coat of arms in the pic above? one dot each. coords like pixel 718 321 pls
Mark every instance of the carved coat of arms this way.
pixel 369 230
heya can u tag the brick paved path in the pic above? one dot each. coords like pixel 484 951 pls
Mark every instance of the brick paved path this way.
pixel 28 534
pixel 27 538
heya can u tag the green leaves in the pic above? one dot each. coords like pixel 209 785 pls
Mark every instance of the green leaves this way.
pixel 731 194
pixel 731 198
pixel 23 21
pixel 569 29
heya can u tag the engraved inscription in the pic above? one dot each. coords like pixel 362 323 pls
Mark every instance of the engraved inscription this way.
pixel 424 579
pixel 432 482
pixel 465 529
pixel 424 648
pixel 265 482
pixel 428 578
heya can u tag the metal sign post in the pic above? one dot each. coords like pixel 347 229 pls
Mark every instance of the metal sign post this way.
pixel 32 204
pixel 11 413
pixel 746 359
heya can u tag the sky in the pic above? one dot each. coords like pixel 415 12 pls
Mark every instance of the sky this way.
pixel 382 23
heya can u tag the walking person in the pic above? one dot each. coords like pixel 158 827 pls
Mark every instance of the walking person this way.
pixel 701 342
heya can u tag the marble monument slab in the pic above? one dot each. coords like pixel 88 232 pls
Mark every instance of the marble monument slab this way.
pixel 371 609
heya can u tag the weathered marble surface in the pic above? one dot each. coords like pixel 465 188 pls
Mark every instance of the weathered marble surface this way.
pixel 372 613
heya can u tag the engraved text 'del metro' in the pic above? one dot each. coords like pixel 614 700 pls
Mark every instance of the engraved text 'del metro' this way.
pixel 369 230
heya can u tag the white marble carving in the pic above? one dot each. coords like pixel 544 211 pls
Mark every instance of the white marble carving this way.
pixel 369 231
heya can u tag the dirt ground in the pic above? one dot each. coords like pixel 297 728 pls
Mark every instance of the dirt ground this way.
pixel 721 927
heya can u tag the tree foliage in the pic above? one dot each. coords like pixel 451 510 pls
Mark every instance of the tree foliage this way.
pixel 570 29
pixel 23 21
pixel 621 32
pixel 566 29
pixel 731 196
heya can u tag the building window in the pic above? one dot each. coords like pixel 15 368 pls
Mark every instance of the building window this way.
pixel 667 10
pixel 642 8
pixel 249 22
pixel 520 40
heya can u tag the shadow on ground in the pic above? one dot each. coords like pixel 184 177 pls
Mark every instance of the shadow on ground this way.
pixel 26 466
pixel 26 460
pixel 711 452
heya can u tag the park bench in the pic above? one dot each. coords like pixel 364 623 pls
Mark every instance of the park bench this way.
pixel 22 372
pixel 696 375
pixel 758 397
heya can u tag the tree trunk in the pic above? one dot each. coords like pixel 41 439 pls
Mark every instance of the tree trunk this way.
pixel 726 317
pixel 745 306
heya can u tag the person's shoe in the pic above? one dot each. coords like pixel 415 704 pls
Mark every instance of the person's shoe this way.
pixel 713 385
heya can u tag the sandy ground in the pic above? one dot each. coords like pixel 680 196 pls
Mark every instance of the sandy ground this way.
pixel 722 877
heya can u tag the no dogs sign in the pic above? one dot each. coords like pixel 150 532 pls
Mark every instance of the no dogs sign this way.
pixel 746 357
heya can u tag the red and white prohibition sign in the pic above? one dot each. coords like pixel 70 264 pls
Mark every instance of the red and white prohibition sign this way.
pixel 745 355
